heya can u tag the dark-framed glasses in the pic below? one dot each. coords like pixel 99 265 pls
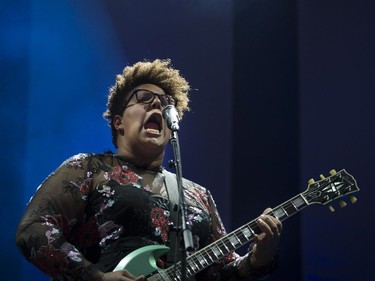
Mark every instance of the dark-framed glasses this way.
pixel 146 96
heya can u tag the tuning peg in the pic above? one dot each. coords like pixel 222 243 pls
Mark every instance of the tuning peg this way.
pixel 331 208
pixel 332 172
pixel 322 177
pixel 311 181
pixel 342 203
pixel 353 199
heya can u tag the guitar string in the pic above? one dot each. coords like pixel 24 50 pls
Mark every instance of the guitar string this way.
pixel 288 209
pixel 239 233
pixel 225 244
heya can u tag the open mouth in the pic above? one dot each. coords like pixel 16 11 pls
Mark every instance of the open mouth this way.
pixel 154 124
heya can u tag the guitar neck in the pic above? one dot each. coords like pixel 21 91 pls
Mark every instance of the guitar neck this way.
pixel 322 192
pixel 234 240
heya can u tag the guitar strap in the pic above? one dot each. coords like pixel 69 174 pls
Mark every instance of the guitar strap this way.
pixel 174 201
pixel 174 196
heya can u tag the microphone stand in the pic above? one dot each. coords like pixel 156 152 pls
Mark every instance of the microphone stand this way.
pixel 185 227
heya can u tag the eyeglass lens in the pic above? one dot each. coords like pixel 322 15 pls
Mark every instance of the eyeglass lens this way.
pixel 145 96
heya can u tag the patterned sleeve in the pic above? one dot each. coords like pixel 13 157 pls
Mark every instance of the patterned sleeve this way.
pixel 44 232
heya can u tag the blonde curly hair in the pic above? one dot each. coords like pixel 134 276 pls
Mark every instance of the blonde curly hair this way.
pixel 158 72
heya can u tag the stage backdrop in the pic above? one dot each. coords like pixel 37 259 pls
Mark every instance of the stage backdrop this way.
pixel 282 92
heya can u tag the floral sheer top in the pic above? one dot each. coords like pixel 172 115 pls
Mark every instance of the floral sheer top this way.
pixel 97 208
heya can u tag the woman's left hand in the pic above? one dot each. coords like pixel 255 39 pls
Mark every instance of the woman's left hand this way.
pixel 266 243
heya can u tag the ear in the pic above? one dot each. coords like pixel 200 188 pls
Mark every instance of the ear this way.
pixel 117 123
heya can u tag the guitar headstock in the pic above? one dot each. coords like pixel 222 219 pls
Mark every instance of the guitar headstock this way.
pixel 327 189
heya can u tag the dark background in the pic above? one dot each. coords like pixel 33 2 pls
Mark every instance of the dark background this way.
pixel 283 92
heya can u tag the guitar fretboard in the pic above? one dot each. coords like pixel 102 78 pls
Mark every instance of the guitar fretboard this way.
pixel 321 192
pixel 232 241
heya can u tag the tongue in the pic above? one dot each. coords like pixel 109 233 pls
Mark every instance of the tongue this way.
pixel 152 126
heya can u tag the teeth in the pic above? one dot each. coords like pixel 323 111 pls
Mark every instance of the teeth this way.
pixel 152 131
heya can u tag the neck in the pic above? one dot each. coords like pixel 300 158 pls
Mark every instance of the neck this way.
pixel 144 160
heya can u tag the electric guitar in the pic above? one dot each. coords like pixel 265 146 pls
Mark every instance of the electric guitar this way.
pixel 143 260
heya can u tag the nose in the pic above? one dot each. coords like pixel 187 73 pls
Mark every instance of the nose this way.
pixel 156 103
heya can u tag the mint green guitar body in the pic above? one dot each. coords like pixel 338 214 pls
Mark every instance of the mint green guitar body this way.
pixel 143 260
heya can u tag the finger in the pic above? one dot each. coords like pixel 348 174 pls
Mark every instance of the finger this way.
pixel 278 223
pixel 160 263
pixel 258 237
pixel 273 223
pixel 269 227
pixel 127 274
pixel 131 276
pixel 267 211
pixel 264 227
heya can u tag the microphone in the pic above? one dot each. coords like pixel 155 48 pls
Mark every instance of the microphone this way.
pixel 170 115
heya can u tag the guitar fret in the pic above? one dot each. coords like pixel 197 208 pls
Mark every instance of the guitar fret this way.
pixel 209 256
pixel 290 209
pixel 205 260
pixel 295 207
pixel 246 232
pixel 202 260
pixel 254 228
pixel 189 270
pixel 225 246
pixel 193 266
pixel 284 210
pixel 279 213
pixel 299 202
pixel 252 231
pixel 216 250
pixel 238 239
pixel 244 239
pixel 196 265
pixel 220 247
pixel 304 199
pixel 167 274
pixel 232 239
pixel 176 273
pixel 179 274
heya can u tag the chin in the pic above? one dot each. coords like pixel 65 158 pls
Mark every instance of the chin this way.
pixel 155 143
